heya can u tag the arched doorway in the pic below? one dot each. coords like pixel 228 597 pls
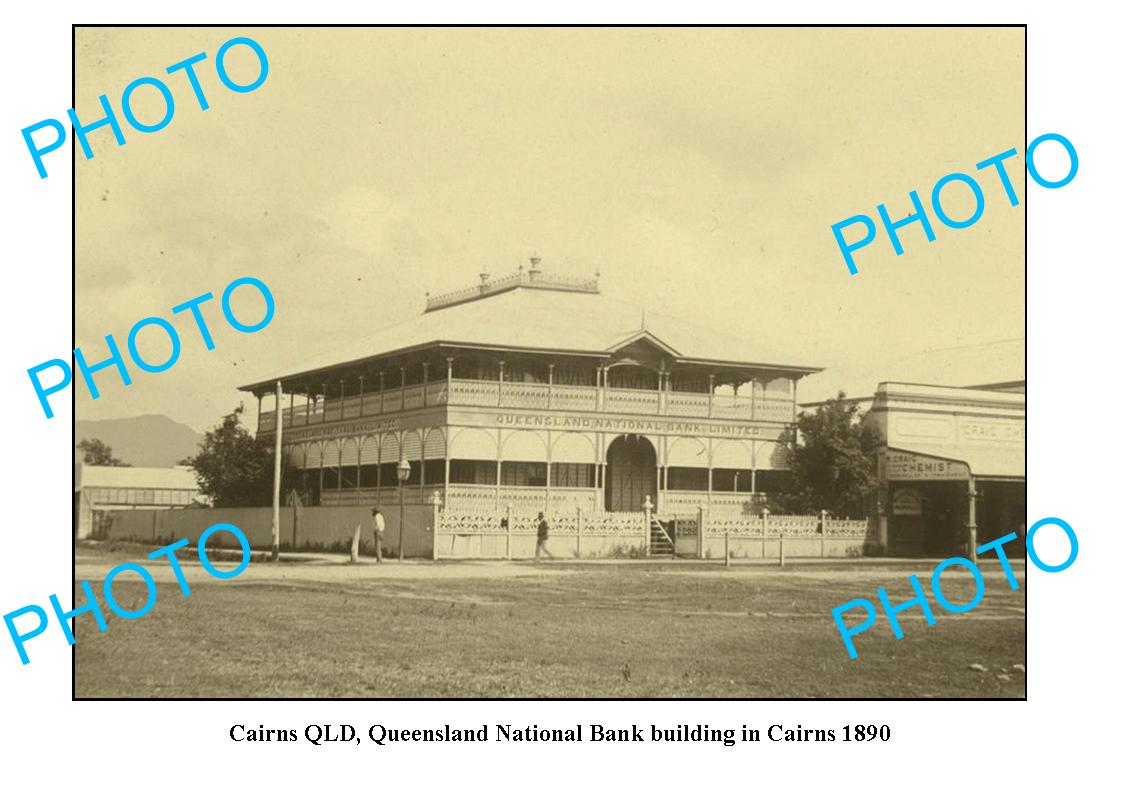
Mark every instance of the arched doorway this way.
pixel 630 475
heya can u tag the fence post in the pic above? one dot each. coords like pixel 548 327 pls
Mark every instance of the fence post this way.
pixel 727 548
pixel 647 524
pixel 508 531
pixel 355 543
pixel 763 533
pixel 580 526
pixel 436 520
pixel 823 533
pixel 701 533
pixel 781 548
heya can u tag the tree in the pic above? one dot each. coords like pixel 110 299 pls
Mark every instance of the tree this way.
pixel 233 467
pixel 833 461
pixel 96 452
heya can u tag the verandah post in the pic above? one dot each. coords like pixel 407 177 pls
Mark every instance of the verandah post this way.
pixel 275 551
pixel 823 533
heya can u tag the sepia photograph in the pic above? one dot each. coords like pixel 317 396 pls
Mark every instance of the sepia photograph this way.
pixel 550 362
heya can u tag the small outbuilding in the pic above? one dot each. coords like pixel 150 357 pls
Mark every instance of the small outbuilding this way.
pixel 99 490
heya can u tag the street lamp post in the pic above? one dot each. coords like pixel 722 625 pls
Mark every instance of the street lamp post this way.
pixel 403 476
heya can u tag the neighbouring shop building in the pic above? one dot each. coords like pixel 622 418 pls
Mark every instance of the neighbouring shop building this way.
pixel 953 458
pixel 99 490
pixel 537 391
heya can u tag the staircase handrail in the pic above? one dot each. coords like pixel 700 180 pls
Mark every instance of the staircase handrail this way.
pixel 663 531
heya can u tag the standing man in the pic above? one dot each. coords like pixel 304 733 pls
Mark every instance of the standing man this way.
pixel 379 529
pixel 543 535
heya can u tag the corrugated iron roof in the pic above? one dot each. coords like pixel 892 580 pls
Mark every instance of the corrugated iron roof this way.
pixel 528 318
pixel 89 475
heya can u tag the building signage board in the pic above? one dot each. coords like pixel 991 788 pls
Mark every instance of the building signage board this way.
pixel 902 466
pixel 906 502
pixel 632 425
pixel 357 428
pixel 993 431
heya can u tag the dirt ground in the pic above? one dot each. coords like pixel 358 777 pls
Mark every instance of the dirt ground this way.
pixel 315 625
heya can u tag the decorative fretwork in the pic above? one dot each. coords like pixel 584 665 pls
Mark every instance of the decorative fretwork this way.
pixel 632 401
pixel 793 525
pixel 351 407
pixel 684 525
pixel 414 397
pixel 525 524
pixel 474 393
pixel 525 396
pixel 531 395
pixel 470 523
pixel 391 401
pixel 436 393
pixel 741 526
pixel 522 499
pixel 533 278
pixel 565 397
pixel 853 528
pixel 728 504
pixel 730 406
pixel 373 496
pixel 773 409
pixel 688 404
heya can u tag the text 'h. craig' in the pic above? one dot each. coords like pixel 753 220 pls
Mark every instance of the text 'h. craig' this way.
pixel 110 120
pixel 118 361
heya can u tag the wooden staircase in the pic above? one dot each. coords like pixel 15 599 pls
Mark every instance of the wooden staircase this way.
pixel 661 545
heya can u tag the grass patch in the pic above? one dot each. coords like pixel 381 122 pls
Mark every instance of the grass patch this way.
pixel 555 631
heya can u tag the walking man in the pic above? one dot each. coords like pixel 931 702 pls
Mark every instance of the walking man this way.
pixel 379 530
pixel 543 535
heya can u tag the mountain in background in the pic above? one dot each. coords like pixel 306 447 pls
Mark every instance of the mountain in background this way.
pixel 145 441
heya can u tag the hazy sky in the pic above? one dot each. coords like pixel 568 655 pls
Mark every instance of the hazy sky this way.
pixel 699 170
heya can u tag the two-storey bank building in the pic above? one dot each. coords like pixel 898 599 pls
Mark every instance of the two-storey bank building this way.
pixel 539 392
